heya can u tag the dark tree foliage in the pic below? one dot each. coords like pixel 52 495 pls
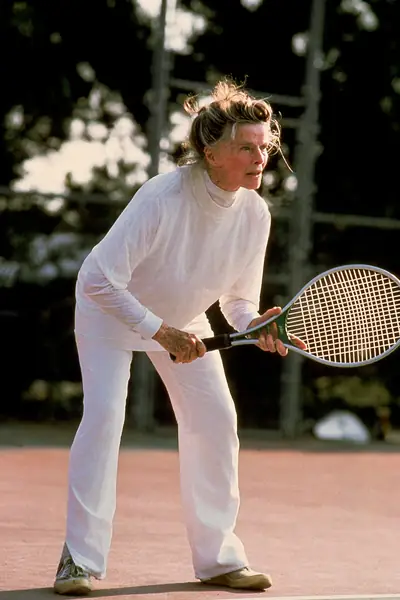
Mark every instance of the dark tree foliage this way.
pixel 252 44
pixel 360 114
pixel 41 44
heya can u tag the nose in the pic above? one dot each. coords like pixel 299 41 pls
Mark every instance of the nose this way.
pixel 259 157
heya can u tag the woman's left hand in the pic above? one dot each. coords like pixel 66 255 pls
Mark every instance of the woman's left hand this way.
pixel 268 339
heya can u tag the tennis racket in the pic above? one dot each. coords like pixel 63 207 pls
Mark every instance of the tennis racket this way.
pixel 348 316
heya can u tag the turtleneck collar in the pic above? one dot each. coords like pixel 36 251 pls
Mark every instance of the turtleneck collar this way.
pixel 212 199
pixel 218 195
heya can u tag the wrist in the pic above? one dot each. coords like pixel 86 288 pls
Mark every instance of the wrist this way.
pixel 161 331
pixel 254 321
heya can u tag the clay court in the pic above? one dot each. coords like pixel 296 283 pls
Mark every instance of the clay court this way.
pixel 323 520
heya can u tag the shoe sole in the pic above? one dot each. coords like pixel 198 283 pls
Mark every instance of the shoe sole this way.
pixel 255 582
pixel 73 587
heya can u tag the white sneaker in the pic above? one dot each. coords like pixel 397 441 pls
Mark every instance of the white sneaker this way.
pixel 244 579
pixel 71 579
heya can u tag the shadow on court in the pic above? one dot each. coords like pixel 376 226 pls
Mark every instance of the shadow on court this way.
pixel 141 590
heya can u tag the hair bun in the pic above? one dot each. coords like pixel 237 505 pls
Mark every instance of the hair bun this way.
pixel 191 106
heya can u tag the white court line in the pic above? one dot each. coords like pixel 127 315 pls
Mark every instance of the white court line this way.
pixel 333 597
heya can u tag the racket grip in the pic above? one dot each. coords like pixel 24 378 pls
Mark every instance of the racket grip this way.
pixel 218 342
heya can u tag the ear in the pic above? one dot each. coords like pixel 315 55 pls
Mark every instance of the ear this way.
pixel 210 155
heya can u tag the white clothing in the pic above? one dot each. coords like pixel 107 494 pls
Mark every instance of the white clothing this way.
pixel 179 246
pixel 208 453
pixel 172 253
pixel 218 195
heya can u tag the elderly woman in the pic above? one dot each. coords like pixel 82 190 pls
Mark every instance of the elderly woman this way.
pixel 187 239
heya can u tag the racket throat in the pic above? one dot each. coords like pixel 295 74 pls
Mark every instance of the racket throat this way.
pixel 282 333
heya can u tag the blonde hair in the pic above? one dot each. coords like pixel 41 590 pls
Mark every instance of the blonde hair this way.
pixel 230 105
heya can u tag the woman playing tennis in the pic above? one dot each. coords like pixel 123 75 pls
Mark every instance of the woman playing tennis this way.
pixel 187 239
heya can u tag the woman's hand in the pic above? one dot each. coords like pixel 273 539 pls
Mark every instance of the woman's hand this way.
pixel 186 347
pixel 268 339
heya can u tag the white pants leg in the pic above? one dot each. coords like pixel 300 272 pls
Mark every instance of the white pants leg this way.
pixel 94 454
pixel 208 453
pixel 208 450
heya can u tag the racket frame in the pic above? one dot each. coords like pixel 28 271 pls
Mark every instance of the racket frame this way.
pixel 243 338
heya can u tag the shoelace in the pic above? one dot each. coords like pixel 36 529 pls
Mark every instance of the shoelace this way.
pixel 70 569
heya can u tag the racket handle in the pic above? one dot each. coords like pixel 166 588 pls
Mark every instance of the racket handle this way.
pixel 218 342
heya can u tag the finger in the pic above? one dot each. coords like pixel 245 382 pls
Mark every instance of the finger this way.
pixel 191 351
pixel 298 342
pixel 191 357
pixel 262 342
pixel 271 343
pixel 281 349
pixel 200 347
pixel 195 347
pixel 186 354
pixel 272 312
pixel 180 358
pixel 273 330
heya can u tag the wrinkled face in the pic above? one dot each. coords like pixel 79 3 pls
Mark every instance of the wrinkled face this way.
pixel 239 162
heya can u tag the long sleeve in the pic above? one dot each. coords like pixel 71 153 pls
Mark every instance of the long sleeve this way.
pixel 122 304
pixel 240 304
pixel 126 244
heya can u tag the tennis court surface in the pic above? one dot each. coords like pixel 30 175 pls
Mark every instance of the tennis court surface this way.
pixel 323 520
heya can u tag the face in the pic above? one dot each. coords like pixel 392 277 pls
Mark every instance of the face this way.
pixel 239 162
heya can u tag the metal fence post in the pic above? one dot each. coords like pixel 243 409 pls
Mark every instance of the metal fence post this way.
pixel 143 374
pixel 300 239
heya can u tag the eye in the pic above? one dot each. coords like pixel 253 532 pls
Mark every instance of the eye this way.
pixel 246 148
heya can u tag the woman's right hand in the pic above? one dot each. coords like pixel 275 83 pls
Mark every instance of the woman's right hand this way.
pixel 186 347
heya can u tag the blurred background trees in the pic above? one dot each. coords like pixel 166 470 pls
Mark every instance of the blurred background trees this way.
pixel 75 108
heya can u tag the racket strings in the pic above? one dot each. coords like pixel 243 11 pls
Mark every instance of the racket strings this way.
pixel 347 316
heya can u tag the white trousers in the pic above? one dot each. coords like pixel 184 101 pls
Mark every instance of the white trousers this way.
pixel 208 455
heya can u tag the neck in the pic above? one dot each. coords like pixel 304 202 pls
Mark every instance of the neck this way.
pixel 217 194
pixel 219 181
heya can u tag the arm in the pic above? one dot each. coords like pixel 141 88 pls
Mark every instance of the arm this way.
pixel 240 304
pixel 121 304
pixel 125 245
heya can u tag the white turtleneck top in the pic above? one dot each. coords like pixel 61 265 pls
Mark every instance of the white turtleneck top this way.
pixel 181 244
pixel 218 195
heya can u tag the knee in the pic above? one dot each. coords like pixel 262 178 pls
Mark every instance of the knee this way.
pixel 217 418
pixel 103 412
